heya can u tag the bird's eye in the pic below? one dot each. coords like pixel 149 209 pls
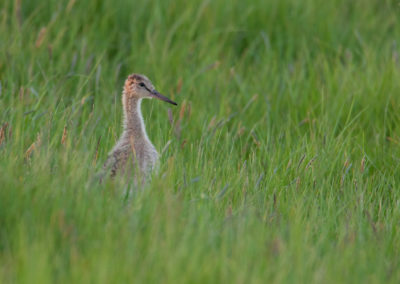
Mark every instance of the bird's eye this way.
pixel 142 85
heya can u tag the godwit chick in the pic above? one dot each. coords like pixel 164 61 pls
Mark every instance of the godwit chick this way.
pixel 134 151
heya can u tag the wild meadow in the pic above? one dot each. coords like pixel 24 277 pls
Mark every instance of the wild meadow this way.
pixel 280 163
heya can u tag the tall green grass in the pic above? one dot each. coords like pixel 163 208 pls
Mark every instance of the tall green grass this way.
pixel 280 164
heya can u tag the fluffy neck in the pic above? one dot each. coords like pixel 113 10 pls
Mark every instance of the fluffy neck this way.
pixel 133 120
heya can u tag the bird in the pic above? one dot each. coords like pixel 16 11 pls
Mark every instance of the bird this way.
pixel 134 155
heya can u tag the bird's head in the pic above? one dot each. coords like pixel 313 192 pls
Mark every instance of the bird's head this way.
pixel 140 87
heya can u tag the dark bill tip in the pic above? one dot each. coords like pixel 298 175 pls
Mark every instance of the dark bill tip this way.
pixel 157 95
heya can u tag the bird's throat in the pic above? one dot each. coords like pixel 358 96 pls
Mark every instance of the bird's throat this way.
pixel 133 119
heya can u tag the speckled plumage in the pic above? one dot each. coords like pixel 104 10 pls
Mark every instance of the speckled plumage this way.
pixel 134 155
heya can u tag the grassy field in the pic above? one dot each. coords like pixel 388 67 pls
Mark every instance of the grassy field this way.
pixel 280 163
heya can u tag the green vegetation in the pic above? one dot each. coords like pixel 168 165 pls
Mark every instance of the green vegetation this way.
pixel 280 163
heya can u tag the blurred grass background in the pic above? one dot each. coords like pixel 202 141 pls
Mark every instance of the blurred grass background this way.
pixel 280 163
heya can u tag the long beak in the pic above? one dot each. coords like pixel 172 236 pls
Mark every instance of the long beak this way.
pixel 157 95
